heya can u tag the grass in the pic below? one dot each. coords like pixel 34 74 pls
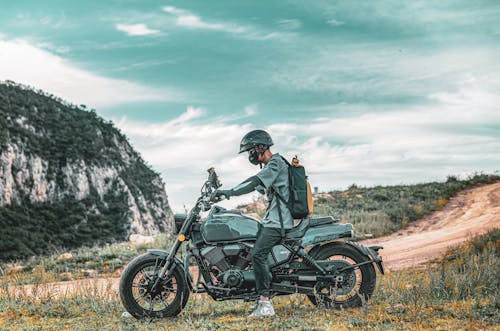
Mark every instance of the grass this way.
pixel 458 292
pixel 103 261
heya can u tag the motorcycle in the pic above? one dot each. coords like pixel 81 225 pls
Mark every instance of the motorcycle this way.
pixel 313 258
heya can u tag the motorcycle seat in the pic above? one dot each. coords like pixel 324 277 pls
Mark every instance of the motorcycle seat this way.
pixel 322 221
pixel 298 231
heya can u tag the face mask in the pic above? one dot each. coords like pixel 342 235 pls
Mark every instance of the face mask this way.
pixel 253 157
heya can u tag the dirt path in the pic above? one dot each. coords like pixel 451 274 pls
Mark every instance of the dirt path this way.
pixel 103 288
pixel 471 212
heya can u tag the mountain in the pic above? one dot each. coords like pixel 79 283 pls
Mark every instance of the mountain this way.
pixel 69 178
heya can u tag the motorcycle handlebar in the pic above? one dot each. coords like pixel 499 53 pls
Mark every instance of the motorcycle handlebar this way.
pixel 217 198
pixel 208 190
pixel 213 179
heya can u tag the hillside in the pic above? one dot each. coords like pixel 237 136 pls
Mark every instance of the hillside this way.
pixel 470 213
pixel 69 178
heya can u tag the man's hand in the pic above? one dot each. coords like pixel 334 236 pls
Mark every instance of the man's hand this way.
pixel 219 195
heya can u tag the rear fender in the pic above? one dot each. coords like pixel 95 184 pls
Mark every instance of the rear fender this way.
pixel 370 252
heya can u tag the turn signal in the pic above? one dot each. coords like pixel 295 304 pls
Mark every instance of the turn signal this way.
pixel 181 237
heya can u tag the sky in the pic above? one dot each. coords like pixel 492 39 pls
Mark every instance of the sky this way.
pixel 365 92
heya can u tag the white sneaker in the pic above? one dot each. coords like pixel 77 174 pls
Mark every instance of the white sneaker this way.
pixel 126 315
pixel 253 307
pixel 263 309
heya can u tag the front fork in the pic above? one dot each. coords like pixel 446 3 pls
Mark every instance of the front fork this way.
pixel 169 266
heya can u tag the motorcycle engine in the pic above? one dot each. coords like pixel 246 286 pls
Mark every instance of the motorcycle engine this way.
pixel 231 278
pixel 227 262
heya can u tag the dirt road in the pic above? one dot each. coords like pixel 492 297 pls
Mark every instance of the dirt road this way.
pixel 471 212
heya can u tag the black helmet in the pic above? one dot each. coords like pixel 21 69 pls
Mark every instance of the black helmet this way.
pixel 255 138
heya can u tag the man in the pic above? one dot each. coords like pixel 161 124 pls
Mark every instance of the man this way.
pixel 274 179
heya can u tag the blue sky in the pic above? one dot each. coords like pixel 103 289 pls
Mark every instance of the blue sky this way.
pixel 366 92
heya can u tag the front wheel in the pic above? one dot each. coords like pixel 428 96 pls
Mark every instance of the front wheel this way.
pixel 351 287
pixel 139 297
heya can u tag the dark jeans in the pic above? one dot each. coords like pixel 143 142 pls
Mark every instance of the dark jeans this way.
pixel 267 238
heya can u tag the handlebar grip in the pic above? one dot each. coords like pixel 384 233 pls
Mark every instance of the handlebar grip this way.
pixel 218 198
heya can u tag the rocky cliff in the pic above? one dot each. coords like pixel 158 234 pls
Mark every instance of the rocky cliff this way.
pixel 68 177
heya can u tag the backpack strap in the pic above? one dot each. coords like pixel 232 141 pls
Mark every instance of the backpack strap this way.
pixel 276 194
pixel 279 213
pixel 286 161
pixel 289 183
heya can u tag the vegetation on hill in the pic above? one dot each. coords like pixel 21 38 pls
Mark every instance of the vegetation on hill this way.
pixel 61 133
pixel 40 126
pixel 460 291
pixel 38 229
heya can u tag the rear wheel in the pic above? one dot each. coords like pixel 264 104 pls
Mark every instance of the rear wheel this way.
pixel 353 286
pixel 139 297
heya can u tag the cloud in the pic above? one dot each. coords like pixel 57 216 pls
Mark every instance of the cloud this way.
pixel 334 22
pixel 186 19
pixel 251 110
pixel 290 24
pixel 56 19
pixel 401 146
pixel 195 22
pixel 54 22
pixel 136 29
pixel 184 147
pixel 175 11
pixel 414 144
pixel 345 74
pixel 192 143
pixel 52 48
pixel 190 114
pixel 30 65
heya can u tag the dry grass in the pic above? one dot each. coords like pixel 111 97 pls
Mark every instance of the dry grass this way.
pixel 82 263
pixel 457 293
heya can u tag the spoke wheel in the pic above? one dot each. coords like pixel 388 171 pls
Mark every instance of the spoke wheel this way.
pixel 350 288
pixel 142 299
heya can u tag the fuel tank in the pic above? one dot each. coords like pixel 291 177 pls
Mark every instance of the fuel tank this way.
pixel 225 226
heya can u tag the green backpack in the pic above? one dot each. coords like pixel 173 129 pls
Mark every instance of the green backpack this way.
pixel 300 200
